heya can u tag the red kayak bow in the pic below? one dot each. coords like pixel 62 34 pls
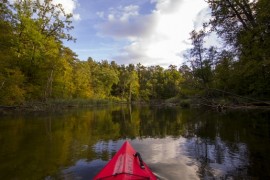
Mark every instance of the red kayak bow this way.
pixel 126 164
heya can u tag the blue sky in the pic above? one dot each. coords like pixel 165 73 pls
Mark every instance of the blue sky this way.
pixel 152 32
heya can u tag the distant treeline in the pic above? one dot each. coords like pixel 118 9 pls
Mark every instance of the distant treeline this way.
pixel 36 66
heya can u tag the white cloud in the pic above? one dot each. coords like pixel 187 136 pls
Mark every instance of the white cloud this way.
pixel 69 7
pixel 125 23
pixel 157 38
pixel 100 14
pixel 129 11
pixel 168 6
pixel 123 14
pixel 212 38
pixel 172 29
pixel 76 17
pixel 111 17
pixel 204 14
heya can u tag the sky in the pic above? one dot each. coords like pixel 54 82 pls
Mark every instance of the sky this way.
pixel 150 32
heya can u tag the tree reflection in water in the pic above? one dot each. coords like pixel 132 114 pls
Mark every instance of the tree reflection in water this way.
pixel 190 144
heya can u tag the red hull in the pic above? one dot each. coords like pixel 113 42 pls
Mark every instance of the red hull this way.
pixel 125 165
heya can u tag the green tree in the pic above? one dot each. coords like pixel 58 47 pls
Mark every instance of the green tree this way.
pixel 82 80
pixel 244 26
pixel 64 82
pixel 201 59
pixel 128 85
pixel 223 72
pixel 133 85
pixel 172 84
pixel 190 85
pixel 144 82
pixel 104 76
pixel 39 28
pixel 11 78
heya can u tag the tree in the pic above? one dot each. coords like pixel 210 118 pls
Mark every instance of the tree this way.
pixel 133 85
pixel 37 28
pixel 201 59
pixel 128 85
pixel 190 84
pixel 231 17
pixel 66 78
pixel 104 76
pixel 82 80
pixel 11 78
pixel 244 25
pixel 144 82
pixel 172 82
pixel 223 72
pixel 34 65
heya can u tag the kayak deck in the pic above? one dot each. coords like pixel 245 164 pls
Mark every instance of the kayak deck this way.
pixel 126 164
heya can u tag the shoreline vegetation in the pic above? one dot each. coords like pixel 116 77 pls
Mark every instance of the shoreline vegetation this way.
pixel 38 73
pixel 218 104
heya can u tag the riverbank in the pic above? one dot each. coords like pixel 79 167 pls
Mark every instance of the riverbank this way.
pixel 216 104
pixel 60 104
pixel 221 104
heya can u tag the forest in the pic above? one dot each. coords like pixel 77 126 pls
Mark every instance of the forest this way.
pixel 35 66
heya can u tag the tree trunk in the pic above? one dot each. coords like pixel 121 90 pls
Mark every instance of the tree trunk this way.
pixel 129 97
pixel 48 89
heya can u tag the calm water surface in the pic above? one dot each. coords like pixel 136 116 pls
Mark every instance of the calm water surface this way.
pixel 175 143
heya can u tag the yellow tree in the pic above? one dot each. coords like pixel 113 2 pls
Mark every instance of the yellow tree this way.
pixel 11 77
pixel 39 27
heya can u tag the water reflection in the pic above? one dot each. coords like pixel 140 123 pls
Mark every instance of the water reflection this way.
pixel 175 143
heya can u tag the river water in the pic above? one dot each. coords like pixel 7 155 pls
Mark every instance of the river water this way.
pixel 175 143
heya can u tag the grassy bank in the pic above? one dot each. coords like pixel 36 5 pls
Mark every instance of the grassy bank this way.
pixel 60 104
pixel 218 104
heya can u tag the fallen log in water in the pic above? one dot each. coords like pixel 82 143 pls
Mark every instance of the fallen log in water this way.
pixel 8 107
